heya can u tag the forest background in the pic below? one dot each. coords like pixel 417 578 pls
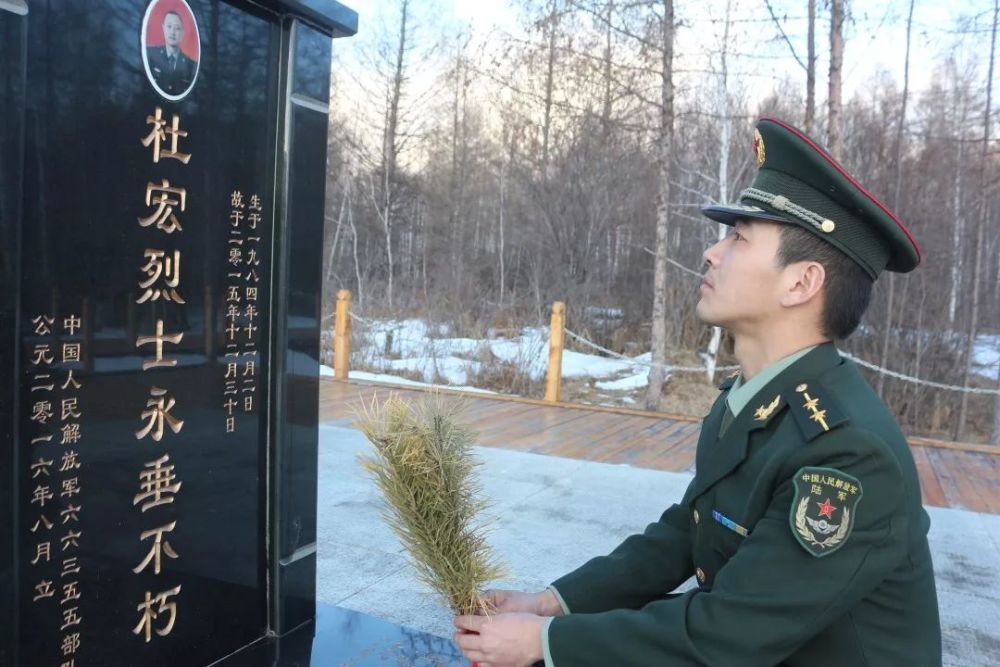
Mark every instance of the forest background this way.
pixel 487 159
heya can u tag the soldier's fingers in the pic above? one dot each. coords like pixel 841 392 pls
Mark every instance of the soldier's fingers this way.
pixel 469 623
pixel 469 643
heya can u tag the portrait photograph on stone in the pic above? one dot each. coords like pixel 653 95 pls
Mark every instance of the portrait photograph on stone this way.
pixel 499 333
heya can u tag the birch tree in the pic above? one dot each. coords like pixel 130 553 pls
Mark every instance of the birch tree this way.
pixel 664 151
pixel 835 106
pixel 984 214
pixel 896 201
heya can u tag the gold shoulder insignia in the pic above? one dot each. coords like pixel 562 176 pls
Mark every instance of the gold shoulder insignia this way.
pixel 815 411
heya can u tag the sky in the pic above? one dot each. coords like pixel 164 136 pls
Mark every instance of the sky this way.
pixel 759 59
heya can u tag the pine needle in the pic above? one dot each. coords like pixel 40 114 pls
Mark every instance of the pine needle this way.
pixel 424 465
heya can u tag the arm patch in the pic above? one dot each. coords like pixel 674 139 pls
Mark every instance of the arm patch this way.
pixel 823 510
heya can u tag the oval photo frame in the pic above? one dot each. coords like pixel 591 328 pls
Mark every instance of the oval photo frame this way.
pixel 172 58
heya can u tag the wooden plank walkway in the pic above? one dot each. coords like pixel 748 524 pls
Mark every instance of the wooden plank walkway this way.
pixel 957 475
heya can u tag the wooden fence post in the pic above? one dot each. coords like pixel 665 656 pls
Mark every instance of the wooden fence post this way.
pixel 342 336
pixel 553 379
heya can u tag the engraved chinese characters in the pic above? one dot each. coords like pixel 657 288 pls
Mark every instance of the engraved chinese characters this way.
pixel 55 482
pixel 162 281
pixel 241 306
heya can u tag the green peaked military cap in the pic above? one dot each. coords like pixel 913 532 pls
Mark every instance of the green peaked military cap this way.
pixel 798 182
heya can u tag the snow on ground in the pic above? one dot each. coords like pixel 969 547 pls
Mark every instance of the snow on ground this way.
pixel 986 355
pixel 402 349
pixel 412 346
pixel 392 379
pixel 628 383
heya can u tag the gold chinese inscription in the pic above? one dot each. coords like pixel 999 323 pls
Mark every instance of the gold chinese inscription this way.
pixel 158 413
pixel 149 614
pixel 164 217
pixel 158 548
pixel 158 340
pixel 157 484
pixel 158 134
pixel 163 274
pixel 239 383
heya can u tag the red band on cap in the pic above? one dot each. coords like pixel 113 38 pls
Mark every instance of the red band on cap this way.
pixel 850 178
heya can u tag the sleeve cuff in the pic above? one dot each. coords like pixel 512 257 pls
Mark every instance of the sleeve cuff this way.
pixel 545 641
pixel 562 603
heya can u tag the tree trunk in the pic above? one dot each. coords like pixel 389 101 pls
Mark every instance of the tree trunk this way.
pixel 811 70
pixel 959 228
pixel 725 137
pixel 901 123
pixel 390 146
pixel 663 156
pixel 836 67
pixel 553 21
pixel 984 215
pixel 331 260
pixel 502 245
pixel 357 263
pixel 607 105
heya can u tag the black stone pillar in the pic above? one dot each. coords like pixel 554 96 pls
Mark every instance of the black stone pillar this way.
pixel 13 29
pixel 162 173
pixel 302 173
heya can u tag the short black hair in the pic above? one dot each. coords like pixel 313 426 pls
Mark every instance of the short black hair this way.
pixel 847 288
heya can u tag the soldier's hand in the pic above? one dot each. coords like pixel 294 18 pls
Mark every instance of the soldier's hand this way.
pixel 543 603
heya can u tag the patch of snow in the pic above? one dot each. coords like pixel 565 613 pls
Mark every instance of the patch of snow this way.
pixel 363 376
pixel 986 355
pixel 455 360
pixel 577 364
pixel 452 369
pixel 628 383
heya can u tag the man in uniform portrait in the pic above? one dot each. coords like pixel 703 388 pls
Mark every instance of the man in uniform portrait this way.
pixel 171 69
pixel 803 525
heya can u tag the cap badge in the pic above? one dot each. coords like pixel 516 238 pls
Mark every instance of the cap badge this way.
pixel 758 148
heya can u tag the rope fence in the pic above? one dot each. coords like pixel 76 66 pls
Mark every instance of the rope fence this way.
pixel 557 330
pixel 649 364
pixel 846 355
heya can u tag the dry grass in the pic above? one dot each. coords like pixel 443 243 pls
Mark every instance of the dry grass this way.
pixel 424 466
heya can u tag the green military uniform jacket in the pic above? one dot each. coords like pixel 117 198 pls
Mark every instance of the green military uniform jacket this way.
pixel 804 527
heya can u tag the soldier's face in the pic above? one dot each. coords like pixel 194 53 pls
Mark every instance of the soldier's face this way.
pixel 741 287
pixel 173 30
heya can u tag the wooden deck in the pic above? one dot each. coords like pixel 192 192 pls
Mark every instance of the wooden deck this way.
pixel 954 475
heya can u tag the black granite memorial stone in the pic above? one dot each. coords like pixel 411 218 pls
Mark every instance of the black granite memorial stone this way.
pixel 159 325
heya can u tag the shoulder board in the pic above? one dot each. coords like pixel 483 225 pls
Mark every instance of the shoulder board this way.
pixel 814 409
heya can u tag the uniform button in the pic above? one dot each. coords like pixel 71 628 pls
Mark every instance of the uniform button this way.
pixel 700 573
pixel 696 517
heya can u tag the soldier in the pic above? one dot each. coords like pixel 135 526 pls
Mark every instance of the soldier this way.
pixel 803 524
pixel 173 71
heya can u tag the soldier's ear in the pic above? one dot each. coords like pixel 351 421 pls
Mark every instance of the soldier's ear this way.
pixel 804 281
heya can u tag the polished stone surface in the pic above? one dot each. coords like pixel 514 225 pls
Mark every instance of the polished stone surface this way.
pixel 12 47
pixel 140 344
pixel 87 176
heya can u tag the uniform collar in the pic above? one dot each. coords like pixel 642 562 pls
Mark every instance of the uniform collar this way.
pixel 740 394
pixel 716 456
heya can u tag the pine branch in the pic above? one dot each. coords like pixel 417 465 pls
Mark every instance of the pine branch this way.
pixel 425 468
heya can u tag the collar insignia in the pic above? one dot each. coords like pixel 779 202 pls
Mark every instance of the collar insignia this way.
pixel 763 412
